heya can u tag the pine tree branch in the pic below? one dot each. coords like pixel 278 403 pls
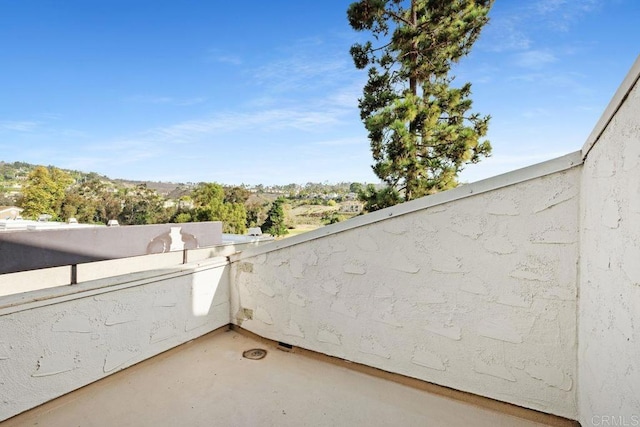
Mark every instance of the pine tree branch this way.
pixel 399 18
pixel 381 47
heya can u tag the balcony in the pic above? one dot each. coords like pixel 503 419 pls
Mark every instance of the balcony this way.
pixel 509 301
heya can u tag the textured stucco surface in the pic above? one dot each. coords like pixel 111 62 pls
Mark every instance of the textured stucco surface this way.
pixel 208 383
pixel 51 350
pixel 609 355
pixel 478 294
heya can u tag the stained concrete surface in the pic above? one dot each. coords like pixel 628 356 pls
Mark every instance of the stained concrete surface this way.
pixel 207 382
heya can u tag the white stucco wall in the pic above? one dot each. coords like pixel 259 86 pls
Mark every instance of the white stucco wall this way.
pixel 609 353
pixel 53 346
pixel 477 294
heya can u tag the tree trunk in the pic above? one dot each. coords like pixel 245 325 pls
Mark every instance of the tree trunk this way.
pixel 413 81
pixel 413 87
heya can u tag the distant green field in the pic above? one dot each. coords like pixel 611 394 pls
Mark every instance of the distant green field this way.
pixel 300 229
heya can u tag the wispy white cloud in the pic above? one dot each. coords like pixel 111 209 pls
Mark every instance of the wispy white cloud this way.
pixel 548 6
pixel 146 99
pixel 335 96
pixel 534 59
pixel 295 73
pixel 478 73
pixel 277 115
pixel 40 142
pixel 70 133
pixel 217 55
pixel 515 28
pixel 560 15
pixel 266 120
pixel 190 101
pixel 112 154
pixel 126 156
pixel 504 34
pixel 229 59
pixel 572 83
pixel 568 7
pixel 307 64
pixel 356 140
pixel 347 96
pixel 536 113
pixel 51 116
pixel 19 126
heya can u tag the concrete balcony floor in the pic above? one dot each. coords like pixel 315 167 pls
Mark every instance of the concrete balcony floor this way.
pixel 208 382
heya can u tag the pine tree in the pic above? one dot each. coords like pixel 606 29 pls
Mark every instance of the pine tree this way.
pixel 421 130
pixel 274 224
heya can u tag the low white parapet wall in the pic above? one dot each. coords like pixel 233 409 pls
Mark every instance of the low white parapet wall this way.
pixel 117 267
pixel 228 247
pixel 473 289
pixel 54 341
pixel 26 281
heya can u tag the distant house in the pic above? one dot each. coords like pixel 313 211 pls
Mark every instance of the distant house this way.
pixel 182 204
pixel 9 212
pixel 351 207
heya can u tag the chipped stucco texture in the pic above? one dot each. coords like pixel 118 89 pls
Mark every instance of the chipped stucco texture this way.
pixel 609 354
pixel 477 294
pixel 53 349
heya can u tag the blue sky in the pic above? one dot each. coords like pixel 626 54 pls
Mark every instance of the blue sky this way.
pixel 266 92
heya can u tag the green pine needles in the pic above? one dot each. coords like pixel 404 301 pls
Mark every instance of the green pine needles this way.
pixel 421 130
pixel 275 222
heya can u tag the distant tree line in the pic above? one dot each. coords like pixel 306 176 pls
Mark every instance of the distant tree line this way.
pixel 52 191
pixel 95 199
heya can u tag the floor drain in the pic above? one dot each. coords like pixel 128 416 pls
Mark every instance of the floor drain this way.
pixel 254 354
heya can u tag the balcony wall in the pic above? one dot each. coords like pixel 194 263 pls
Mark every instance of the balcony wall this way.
pixel 473 289
pixel 49 245
pixel 476 288
pixel 609 356
pixel 56 340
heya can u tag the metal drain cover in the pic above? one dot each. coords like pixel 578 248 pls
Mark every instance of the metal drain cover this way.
pixel 255 354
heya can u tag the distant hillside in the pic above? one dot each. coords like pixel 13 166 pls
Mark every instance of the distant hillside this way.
pixel 169 190
pixel 12 174
pixel 306 207
pixel 18 171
